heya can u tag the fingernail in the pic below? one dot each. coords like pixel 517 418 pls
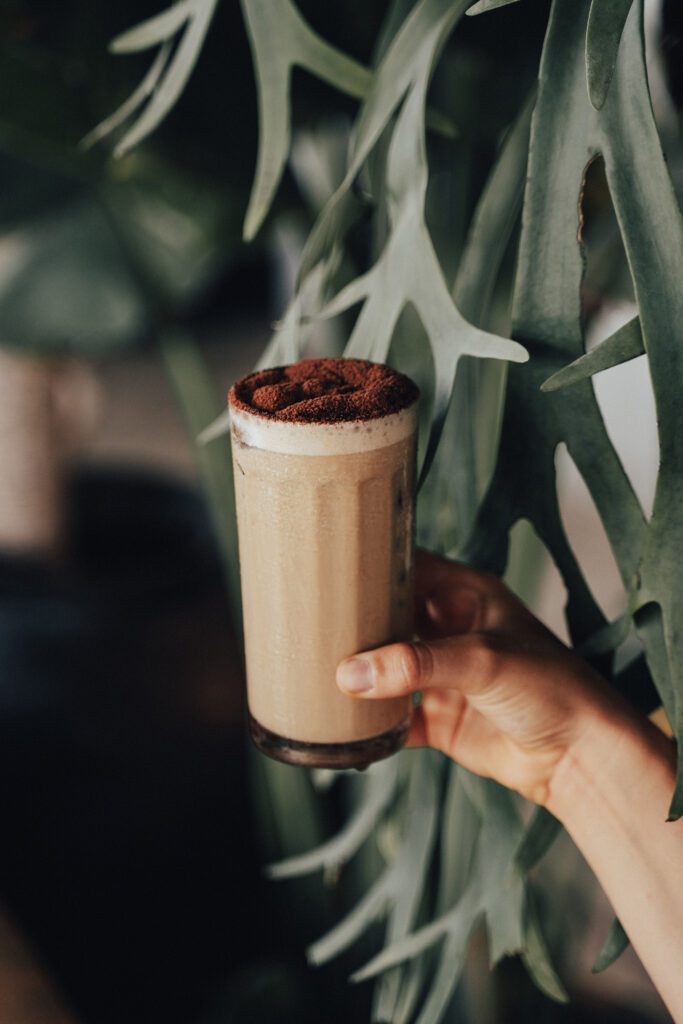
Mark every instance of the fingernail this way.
pixel 458 610
pixel 355 675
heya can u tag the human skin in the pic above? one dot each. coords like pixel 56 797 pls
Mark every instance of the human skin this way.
pixel 506 699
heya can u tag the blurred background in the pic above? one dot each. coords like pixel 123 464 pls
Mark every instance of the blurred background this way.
pixel 136 821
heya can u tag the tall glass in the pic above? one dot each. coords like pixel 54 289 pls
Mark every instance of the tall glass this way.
pixel 325 517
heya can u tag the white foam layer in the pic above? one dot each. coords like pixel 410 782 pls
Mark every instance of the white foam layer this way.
pixel 345 438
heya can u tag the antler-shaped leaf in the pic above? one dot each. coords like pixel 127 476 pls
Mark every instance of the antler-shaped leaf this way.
pixel 537 838
pixel 647 207
pixel 168 74
pixel 460 822
pixel 370 908
pixel 412 866
pixel 458 921
pixel 616 941
pixel 536 957
pixel 494 219
pixel 287 341
pixel 489 5
pixel 135 100
pixel 606 22
pixel 502 889
pixel 489 889
pixel 414 46
pixel 547 317
pixel 280 41
pixel 626 343
pixel 507 899
pixel 398 889
pixel 408 270
pixel 289 335
pixel 380 787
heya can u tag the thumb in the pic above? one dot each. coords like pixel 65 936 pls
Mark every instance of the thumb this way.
pixel 469 663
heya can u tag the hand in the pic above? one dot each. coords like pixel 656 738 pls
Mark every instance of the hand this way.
pixel 501 695
pixel 507 700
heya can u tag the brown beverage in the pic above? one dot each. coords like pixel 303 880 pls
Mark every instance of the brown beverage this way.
pixel 324 465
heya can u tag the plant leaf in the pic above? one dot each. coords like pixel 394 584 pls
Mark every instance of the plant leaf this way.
pixel 635 682
pixel 494 219
pixel 493 222
pixel 488 5
pixel 194 389
pixel 178 71
pixel 537 958
pixel 412 865
pixel 358 920
pixel 647 208
pixel 280 40
pixel 502 890
pixel 135 100
pixel 408 271
pixel 156 30
pixel 407 948
pixel 216 429
pixel 607 639
pixel 459 835
pixel 451 964
pixel 606 22
pixel 413 975
pixel 289 336
pixel 413 47
pixel 539 835
pixel 614 945
pixel 547 318
pixel 625 344
pixel 398 889
pixel 381 782
pixel 457 922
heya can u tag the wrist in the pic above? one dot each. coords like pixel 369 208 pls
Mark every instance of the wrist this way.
pixel 618 754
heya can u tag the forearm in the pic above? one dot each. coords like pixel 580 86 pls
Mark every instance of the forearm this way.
pixel 612 794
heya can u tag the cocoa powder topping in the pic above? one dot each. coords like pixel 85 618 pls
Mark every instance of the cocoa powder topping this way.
pixel 324 391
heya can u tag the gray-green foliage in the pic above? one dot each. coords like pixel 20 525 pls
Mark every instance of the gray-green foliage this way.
pixel 488 5
pixel 606 21
pixel 547 320
pixel 614 945
pixel 626 343
pixel 592 100
pixel 186 23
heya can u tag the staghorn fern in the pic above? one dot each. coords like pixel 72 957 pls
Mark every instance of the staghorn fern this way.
pixel 186 23
pixel 593 72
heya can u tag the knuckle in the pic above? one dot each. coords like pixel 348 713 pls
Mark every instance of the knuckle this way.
pixel 413 663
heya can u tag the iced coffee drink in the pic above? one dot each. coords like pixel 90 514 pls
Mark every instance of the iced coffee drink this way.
pixel 324 465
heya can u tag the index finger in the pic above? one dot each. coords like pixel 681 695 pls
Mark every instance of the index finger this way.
pixel 454 598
